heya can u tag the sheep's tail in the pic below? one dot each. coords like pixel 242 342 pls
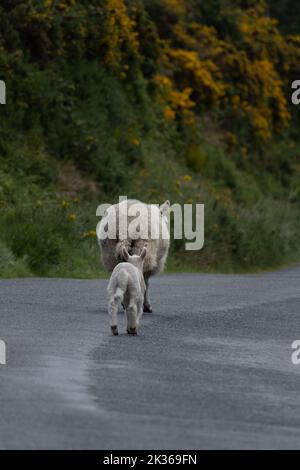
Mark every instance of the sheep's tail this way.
pixel 119 249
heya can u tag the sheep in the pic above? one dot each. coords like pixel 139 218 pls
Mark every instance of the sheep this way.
pixel 151 217
pixel 127 286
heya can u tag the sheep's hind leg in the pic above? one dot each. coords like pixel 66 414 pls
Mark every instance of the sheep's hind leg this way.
pixel 147 305
pixel 113 312
pixel 131 319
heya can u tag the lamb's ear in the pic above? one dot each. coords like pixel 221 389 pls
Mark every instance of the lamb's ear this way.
pixel 164 207
pixel 144 252
pixel 125 254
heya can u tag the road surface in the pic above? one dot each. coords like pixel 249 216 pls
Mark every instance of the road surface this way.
pixel 210 369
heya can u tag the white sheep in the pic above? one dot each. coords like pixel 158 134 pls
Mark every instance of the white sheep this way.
pixel 127 286
pixel 152 218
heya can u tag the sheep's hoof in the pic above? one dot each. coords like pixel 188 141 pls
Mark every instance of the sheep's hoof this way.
pixel 132 331
pixel 114 330
pixel 147 309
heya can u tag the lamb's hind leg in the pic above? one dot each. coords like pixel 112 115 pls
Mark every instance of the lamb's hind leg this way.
pixel 113 313
pixel 131 319
pixel 139 311
pixel 147 305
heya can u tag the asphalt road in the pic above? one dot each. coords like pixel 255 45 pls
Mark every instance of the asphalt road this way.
pixel 211 367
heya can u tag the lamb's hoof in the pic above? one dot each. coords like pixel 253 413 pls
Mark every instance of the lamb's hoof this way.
pixel 132 331
pixel 147 309
pixel 114 330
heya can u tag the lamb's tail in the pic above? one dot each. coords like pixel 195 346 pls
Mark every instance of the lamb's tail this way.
pixel 121 286
pixel 119 294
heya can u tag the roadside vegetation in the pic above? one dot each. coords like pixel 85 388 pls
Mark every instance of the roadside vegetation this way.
pixel 154 99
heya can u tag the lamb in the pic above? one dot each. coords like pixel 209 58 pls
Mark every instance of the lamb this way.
pixel 152 218
pixel 127 286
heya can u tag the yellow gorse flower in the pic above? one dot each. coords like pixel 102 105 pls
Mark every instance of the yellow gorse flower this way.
pixel 187 178
pixel 89 234
pixel 169 113
pixel 135 141
pixel 65 204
